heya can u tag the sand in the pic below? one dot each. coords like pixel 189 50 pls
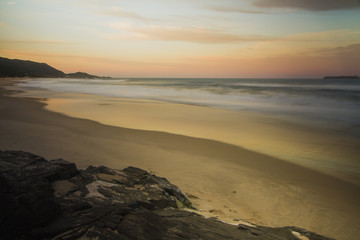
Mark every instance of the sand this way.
pixel 320 146
pixel 222 180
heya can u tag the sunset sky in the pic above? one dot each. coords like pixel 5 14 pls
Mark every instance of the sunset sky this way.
pixel 186 38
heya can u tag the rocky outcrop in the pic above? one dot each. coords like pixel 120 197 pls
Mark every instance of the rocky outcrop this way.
pixel 43 199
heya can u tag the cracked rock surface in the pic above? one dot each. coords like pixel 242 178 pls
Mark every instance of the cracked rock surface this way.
pixel 42 199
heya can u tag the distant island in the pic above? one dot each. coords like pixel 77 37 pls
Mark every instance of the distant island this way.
pixel 341 77
pixel 83 75
pixel 26 68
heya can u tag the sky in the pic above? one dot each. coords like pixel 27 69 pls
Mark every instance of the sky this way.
pixel 186 38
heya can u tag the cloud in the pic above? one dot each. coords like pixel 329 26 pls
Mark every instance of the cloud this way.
pixel 129 31
pixel 197 35
pixel 341 60
pixel 34 42
pixel 38 54
pixel 349 50
pixel 62 56
pixel 121 13
pixel 310 5
pixel 183 34
pixel 114 60
pixel 325 37
pixel 235 10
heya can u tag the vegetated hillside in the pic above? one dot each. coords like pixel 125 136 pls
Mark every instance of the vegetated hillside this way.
pixel 25 68
pixel 21 68
pixel 82 75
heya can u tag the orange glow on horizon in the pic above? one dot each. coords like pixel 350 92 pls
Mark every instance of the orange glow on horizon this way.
pixel 187 39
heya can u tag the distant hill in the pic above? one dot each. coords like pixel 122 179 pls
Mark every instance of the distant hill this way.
pixel 341 77
pixel 21 68
pixel 82 75
pixel 24 68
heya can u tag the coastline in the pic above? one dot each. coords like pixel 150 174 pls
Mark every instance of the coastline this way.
pixel 326 147
pixel 219 177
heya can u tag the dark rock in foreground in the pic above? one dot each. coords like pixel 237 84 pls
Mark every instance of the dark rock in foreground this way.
pixel 42 199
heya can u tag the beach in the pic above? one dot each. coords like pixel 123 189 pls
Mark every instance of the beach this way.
pixel 221 178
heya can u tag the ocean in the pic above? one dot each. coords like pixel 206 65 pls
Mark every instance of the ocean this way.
pixel 335 102
pixel 311 122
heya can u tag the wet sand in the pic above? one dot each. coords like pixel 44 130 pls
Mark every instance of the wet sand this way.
pixel 222 180
pixel 312 144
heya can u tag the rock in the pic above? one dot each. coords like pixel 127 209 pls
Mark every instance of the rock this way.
pixel 68 169
pixel 43 199
pixel 135 171
pixel 8 205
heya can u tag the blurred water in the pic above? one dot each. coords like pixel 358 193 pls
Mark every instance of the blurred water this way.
pixel 317 120
pixel 333 101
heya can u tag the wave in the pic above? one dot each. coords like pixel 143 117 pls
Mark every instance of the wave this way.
pixel 335 101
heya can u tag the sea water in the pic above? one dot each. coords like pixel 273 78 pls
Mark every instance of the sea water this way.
pixel 334 101
pixel 328 106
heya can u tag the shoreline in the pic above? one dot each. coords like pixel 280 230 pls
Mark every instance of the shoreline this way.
pixel 219 177
pixel 311 144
